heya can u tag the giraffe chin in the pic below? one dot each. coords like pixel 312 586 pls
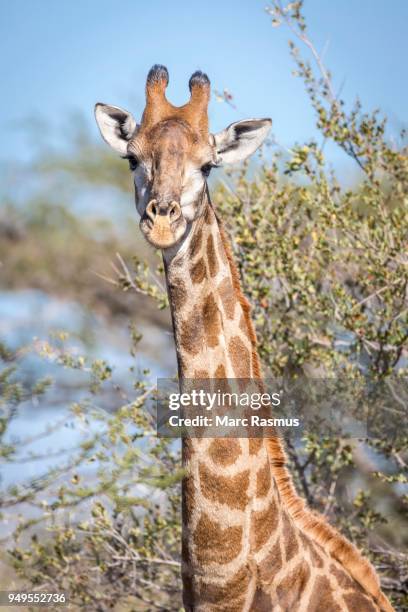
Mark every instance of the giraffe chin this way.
pixel 161 234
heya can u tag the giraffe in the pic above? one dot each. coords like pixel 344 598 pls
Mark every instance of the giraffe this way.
pixel 249 543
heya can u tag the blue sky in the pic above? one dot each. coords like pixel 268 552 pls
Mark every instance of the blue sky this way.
pixel 62 56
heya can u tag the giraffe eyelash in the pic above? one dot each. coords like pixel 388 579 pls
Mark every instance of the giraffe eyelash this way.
pixel 133 162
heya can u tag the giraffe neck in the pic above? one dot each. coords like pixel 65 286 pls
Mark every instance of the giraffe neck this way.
pixel 231 507
pixel 213 332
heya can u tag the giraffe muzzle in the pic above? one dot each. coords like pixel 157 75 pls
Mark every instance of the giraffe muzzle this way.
pixel 163 224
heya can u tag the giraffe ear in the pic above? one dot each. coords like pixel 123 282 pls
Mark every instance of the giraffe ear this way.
pixel 239 140
pixel 116 125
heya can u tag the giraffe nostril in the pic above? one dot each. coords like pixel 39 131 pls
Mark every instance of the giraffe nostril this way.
pixel 174 211
pixel 151 210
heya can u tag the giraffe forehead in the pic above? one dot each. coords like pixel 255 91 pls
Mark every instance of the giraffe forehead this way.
pixel 168 138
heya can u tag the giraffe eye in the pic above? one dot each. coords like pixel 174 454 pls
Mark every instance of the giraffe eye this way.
pixel 206 169
pixel 133 163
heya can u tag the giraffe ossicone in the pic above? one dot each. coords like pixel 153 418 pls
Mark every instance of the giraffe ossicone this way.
pixel 248 541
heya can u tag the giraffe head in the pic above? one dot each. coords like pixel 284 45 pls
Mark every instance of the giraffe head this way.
pixel 171 153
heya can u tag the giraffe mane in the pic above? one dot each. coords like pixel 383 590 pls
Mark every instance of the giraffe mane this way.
pixel 245 305
pixel 310 521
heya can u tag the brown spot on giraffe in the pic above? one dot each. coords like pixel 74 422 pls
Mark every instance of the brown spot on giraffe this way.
pixel 208 215
pixel 243 325
pixel 233 591
pixel 226 293
pixel 221 250
pixel 178 292
pixel 263 480
pixel 316 553
pixel 263 524
pixel 229 603
pixel 271 564
pixel 212 257
pixel 201 374
pixel 224 452
pixel 198 272
pixel 289 537
pixel 187 498
pixel 292 586
pixel 240 357
pixel 343 579
pixel 220 371
pixel 309 546
pixel 211 319
pixel 195 243
pixel 185 551
pixel 187 449
pixel 188 589
pixel 228 490
pixel 192 333
pixel 262 602
pixel 357 602
pixel 255 445
pixel 322 598
pixel 212 543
